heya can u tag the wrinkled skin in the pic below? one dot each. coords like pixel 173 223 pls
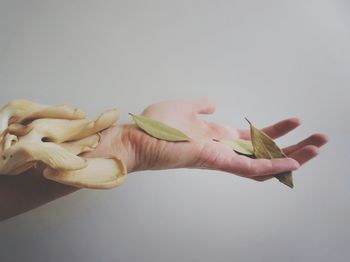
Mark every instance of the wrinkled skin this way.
pixel 142 152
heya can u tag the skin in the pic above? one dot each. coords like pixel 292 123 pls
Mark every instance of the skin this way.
pixel 139 151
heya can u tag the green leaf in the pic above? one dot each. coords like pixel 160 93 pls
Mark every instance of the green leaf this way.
pixel 159 130
pixel 265 147
pixel 240 146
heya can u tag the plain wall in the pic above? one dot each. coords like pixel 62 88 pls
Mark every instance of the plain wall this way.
pixel 265 60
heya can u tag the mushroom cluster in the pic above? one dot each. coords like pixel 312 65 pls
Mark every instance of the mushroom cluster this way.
pixel 57 136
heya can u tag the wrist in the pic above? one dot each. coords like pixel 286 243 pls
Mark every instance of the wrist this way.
pixel 115 143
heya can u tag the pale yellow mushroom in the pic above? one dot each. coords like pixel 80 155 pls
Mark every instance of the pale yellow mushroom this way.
pixel 21 110
pixel 63 130
pixel 82 145
pixel 101 173
pixel 9 140
pixel 15 158
pixel 18 129
pixel 56 135
pixel 39 144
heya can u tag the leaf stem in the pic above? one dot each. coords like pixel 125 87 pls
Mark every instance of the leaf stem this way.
pixel 247 120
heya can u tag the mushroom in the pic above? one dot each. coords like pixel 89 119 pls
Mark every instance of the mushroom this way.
pixel 83 145
pixel 9 140
pixel 18 129
pixel 57 135
pixel 62 130
pixel 15 158
pixel 39 144
pixel 101 173
pixel 22 110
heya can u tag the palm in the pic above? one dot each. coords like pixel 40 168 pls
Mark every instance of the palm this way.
pixel 202 152
pixel 185 116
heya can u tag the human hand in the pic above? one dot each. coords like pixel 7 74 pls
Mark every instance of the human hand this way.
pixel 142 152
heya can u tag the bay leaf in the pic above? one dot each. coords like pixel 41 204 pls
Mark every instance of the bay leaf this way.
pixel 265 147
pixel 159 130
pixel 240 146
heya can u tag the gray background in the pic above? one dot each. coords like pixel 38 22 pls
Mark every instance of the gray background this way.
pixel 266 60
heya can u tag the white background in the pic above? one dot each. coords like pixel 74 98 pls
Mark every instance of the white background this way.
pixel 265 60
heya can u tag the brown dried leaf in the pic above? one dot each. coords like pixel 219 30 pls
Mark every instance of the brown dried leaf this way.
pixel 265 147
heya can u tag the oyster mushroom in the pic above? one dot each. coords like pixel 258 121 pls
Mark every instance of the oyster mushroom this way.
pixel 18 129
pixel 15 159
pixel 63 130
pixel 9 140
pixel 22 110
pixel 101 173
pixel 57 135
pixel 40 143
pixel 82 145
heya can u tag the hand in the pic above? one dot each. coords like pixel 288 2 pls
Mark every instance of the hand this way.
pixel 142 152
pixel 139 151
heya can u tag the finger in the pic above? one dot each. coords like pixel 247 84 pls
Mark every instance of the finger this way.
pixel 305 154
pixel 262 167
pixel 203 106
pixel 262 178
pixel 302 156
pixel 219 157
pixel 315 139
pixel 248 167
pixel 274 131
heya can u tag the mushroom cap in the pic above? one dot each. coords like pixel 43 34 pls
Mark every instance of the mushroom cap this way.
pixel 18 111
pixel 63 130
pixel 56 136
pixel 51 154
pixel 82 145
pixel 18 129
pixel 101 173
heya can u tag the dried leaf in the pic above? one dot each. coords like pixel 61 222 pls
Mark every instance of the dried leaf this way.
pixel 240 146
pixel 265 147
pixel 159 130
